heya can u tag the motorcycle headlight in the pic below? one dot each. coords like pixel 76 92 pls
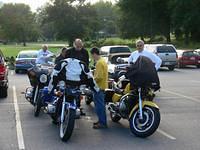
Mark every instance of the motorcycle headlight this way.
pixel 43 78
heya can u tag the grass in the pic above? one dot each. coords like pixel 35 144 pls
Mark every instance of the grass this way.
pixel 13 49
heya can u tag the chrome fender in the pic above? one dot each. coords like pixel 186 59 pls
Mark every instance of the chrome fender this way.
pixel 144 103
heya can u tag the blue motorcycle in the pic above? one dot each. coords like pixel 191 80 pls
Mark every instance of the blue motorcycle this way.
pixel 62 107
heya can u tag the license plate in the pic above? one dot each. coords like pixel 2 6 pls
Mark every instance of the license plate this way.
pixel 192 58
pixel 167 63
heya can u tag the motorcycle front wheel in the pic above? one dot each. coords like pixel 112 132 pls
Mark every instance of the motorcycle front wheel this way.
pixel 148 125
pixel 38 105
pixel 67 126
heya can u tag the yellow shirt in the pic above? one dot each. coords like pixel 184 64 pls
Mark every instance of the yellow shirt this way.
pixel 101 74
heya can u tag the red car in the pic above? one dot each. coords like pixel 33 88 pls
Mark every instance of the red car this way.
pixel 188 57
pixel 3 77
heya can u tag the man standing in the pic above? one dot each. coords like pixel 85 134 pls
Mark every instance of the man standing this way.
pixel 142 52
pixel 61 56
pixel 44 55
pixel 78 52
pixel 101 78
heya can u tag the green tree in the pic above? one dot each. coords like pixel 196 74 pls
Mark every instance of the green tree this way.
pixel 71 21
pixel 17 23
pixel 108 16
pixel 145 18
pixel 185 19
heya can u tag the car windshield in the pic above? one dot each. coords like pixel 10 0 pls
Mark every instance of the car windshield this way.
pixel 28 55
pixel 190 53
pixel 120 50
pixel 166 49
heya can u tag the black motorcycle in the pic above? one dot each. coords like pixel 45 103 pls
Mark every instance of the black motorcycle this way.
pixel 39 77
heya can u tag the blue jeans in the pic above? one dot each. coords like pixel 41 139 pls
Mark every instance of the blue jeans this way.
pixel 100 107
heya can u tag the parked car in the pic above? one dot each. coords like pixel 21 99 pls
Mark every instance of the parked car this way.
pixel 117 63
pixel 3 77
pixel 188 57
pixel 107 50
pixel 166 52
pixel 25 60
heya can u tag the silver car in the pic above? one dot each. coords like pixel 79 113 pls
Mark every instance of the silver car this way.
pixel 167 53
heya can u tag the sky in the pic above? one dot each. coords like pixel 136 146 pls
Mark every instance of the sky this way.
pixel 34 4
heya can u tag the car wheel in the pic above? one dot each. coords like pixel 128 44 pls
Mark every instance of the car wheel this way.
pixel 3 92
pixel 180 65
pixel 171 68
pixel 16 71
pixel 198 66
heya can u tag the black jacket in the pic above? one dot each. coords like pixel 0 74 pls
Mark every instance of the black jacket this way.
pixel 143 73
pixel 58 59
pixel 74 72
pixel 81 55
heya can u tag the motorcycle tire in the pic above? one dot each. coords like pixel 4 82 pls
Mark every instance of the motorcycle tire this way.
pixel 114 117
pixel 149 124
pixel 69 121
pixel 38 105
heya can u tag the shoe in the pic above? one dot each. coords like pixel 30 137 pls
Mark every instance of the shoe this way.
pixel 95 123
pixel 99 126
pixel 81 112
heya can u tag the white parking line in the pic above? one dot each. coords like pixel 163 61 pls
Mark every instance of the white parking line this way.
pixel 196 81
pixel 20 137
pixel 181 95
pixel 166 134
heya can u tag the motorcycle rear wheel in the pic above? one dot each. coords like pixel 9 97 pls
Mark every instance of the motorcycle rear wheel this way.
pixel 149 124
pixel 67 126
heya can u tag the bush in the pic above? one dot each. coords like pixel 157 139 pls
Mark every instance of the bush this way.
pixel 109 41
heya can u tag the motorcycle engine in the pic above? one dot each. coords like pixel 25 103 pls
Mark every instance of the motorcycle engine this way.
pixel 126 104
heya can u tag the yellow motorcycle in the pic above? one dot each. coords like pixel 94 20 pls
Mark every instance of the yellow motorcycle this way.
pixel 136 105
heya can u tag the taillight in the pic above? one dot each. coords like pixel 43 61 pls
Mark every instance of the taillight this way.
pixel 2 71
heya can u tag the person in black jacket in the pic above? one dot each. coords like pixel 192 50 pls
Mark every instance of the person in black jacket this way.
pixel 78 52
pixel 61 56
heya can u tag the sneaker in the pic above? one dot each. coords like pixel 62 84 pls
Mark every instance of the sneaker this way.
pixel 99 126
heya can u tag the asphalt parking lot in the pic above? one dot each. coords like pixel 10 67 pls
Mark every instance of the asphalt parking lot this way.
pixel 179 102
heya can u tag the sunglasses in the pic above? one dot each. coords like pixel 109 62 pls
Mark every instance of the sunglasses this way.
pixel 139 45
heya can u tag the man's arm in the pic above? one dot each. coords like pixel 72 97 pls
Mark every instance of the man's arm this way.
pixel 54 75
pixel 87 58
pixel 156 60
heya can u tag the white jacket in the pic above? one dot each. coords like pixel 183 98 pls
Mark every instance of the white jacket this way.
pixel 154 58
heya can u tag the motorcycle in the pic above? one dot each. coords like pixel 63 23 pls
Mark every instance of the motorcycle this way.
pixel 136 105
pixel 39 77
pixel 62 107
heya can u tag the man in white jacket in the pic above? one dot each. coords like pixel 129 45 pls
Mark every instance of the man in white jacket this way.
pixel 44 55
pixel 142 52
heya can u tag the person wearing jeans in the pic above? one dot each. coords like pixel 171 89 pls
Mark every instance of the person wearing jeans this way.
pixel 101 78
